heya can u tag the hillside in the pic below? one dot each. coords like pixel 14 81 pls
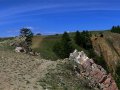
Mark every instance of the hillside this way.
pixel 109 47
pixel 19 71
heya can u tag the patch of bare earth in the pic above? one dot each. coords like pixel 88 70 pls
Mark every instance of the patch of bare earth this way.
pixel 22 72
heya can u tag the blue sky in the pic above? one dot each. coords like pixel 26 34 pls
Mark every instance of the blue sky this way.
pixel 57 16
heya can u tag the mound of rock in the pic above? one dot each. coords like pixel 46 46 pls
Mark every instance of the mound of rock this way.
pixel 87 68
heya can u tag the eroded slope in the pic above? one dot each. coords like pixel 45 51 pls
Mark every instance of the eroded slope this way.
pixel 109 47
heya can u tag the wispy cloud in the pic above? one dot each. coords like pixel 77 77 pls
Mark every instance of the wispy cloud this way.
pixel 13 13
pixel 30 13
pixel 26 8
pixel 59 7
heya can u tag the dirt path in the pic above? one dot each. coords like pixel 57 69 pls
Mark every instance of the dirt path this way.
pixel 22 72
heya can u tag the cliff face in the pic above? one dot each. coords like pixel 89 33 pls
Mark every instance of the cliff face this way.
pixel 98 78
pixel 109 47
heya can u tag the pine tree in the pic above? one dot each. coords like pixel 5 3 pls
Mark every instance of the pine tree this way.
pixel 115 29
pixel 63 48
pixel 78 38
pixel 83 39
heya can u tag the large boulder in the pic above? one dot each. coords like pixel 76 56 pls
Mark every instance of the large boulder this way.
pixel 97 76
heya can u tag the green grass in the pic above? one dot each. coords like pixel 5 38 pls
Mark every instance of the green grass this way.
pixel 46 47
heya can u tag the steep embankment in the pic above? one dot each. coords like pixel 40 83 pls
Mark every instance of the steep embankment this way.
pixel 20 71
pixel 109 47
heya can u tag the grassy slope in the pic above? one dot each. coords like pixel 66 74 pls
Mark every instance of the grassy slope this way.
pixel 109 46
pixel 45 45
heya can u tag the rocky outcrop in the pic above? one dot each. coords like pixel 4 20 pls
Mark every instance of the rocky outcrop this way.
pixel 87 68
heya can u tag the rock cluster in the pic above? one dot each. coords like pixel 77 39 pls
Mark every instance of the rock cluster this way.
pixel 23 50
pixel 87 68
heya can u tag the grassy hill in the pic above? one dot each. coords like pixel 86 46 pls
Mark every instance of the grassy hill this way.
pixel 19 71
pixel 107 46
pixel 44 45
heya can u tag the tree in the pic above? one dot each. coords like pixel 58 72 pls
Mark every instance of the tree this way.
pixel 65 37
pixel 27 33
pixel 83 39
pixel 115 29
pixel 63 48
pixel 67 45
pixel 78 38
